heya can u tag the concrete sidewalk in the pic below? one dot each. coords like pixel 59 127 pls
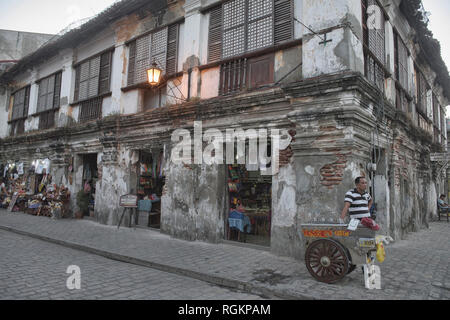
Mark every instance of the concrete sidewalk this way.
pixel 414 269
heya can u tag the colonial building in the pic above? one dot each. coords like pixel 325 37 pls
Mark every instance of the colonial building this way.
pixel 359 85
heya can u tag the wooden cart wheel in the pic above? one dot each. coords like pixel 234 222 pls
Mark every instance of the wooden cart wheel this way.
pixel 327 260
pixel 350 262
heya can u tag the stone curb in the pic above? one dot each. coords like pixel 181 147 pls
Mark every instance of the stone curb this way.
pixel 216 280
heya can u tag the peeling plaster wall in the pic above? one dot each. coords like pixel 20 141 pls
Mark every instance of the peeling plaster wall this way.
pixel 65 116
pixel 285 62
pixel 103 40
pixel 194 203
pixel 210 83
pixel 114 182
pixel 118 78
pixel 285 238
pixel 129 102
pixel 345 51
pixel 4 110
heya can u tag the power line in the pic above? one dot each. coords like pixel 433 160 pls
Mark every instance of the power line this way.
pixel 315 33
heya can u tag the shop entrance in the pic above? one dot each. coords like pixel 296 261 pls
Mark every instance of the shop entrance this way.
pixel 250 206
pixel 90 178
pixel 150 187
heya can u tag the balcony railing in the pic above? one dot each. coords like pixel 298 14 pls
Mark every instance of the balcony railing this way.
pixel 47 120
pixel 233 76
pixel 91 109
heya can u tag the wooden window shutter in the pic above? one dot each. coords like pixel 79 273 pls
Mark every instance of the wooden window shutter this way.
pixel 131 62
pixel 215 35
pixel 21 99
pixel 376 37
pixel 57 92
pixel 396 67
pixel 403 64
pixel 142 59
pixel 172 49
pixel 158 49
pixel 283 17
pixel 261 71
pixel 364 22
pixel 105 72
pixel 42 92
pixel 77 84
pixel 50 91
pixel 94 77
pixel 26 101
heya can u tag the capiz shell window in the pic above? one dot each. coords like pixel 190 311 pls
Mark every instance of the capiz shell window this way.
pixel 240 26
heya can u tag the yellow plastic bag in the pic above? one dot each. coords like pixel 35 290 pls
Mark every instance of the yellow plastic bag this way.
pixel 381 253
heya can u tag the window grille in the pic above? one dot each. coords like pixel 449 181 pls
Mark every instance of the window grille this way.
pixel 91 109
pixel 241 26
pixel 421 92
pixel 47 119
pixel 374 46
pixel 18 127
pixel 401 62
pixel 239 74
pixel 160 47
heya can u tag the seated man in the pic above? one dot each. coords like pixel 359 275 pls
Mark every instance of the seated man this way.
pixel 442 204
pixel 3 191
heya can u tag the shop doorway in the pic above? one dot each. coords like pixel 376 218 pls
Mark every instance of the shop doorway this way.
pixel 250 206
pixel 151 182
pixel 90 178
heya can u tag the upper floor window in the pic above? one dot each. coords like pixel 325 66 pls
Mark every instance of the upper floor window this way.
pixel 21 100
pixel 49 94
pixel 401 73
pixel 160 47
pixel 422 89
pixel 374 45
pixel 240 26
pixel 401 61
pixel 92 77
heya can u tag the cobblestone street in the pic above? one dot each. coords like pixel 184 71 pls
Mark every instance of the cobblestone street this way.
pixel 35 269
pixel 415 268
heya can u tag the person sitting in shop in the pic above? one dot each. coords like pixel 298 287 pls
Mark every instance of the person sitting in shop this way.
pixel 3 191
pixel 239 206
pixel 442 204
pixel 237 218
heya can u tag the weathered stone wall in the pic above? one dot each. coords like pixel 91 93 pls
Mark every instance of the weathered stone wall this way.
pixel 193 206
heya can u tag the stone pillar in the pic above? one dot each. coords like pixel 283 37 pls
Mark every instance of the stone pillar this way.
pixel 331 149
pixel 32 123
pixel 65 116
pixel 194 202
pixel 196 32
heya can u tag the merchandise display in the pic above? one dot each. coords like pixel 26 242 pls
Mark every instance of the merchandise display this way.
pixel 250 194
pixel 150 185
pixel 51 200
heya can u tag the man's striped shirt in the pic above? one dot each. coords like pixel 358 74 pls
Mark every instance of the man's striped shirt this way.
pixel 359 203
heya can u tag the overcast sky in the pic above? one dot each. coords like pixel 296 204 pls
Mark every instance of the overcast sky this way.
pixel 51 16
